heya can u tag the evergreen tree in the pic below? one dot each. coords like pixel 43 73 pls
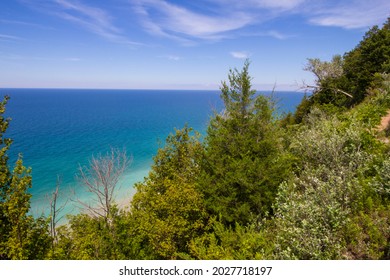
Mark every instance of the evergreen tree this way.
pixel 370 56
pixel 244 162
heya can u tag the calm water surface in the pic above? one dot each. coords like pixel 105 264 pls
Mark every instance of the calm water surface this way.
pixel 57 130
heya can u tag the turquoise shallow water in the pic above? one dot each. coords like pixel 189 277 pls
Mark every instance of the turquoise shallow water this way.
pixel 57 130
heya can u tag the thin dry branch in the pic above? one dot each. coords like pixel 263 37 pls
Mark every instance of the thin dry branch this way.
pixel 55 210
pixel 101 178
pixel 305 86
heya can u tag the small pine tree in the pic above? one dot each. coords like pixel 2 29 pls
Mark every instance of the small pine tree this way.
pixel 244 162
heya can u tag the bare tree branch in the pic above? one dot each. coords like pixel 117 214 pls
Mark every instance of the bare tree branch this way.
pixel 55 210
pixel 101 178
pixel 305 86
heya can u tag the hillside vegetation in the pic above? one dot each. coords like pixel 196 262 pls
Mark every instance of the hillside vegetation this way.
pixel 310 185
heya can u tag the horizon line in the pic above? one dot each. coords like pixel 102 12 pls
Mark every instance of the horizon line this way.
pixel 141 89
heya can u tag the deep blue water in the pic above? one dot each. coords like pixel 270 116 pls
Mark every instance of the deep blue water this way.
pixel 57 130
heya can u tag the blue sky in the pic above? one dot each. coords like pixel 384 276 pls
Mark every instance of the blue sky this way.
pixel 172 44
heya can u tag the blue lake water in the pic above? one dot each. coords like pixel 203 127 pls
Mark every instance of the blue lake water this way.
pixel 57 130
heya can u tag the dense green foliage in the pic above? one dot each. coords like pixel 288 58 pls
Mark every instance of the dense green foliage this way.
pixel 346 80
pixel 244 161
pixel 314 206
pixel 371 56
pixel 168 209
pixel 313 185
pixel 21 236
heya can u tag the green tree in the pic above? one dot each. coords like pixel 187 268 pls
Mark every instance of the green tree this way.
pixel 329 85
pixel 97 233
pixel 346 80
pixel 22 236
pixel 167 209
pixel 5 175
pixel 87 237
pixel 244 160
pixel 370 56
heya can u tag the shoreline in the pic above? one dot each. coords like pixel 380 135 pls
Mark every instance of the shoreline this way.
pixel 122 197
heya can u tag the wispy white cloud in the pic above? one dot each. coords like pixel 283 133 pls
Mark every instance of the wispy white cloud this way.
pixel 88 17
pixel 278 35
pixel 171 57
pixel 279 4
pixel 19 57
pixel 270 33
pixel 73 59
pixel 189 22
pixel 93 19
pixel 240 54
pixel 250 5
pixel 165 19
pixel 5 37
pixel 25 23
pixel 174 57
pixel 346 14
pixel 351 14
pixel 221 19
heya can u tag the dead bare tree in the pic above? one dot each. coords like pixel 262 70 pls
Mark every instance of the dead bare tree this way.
pixel 55 210
pixel 101 179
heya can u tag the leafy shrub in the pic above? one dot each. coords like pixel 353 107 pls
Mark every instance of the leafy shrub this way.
pixel 314 207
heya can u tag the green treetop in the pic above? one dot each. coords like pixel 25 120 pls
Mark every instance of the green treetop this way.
pixel 243 160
